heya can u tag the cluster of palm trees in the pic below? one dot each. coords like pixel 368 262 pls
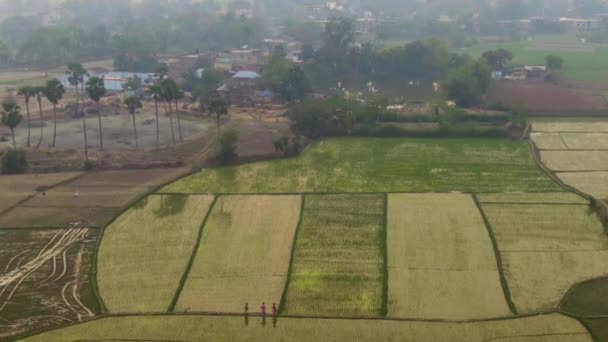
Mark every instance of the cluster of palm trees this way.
pixel 166 92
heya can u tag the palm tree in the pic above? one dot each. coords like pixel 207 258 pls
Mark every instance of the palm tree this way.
pixel 96 89
pixel 54 91
pixel 27 92
pixel 76 74
pixel 39 93
pixel 156 92
pixel 219 107
pixel 167 96
pixel 11 118
pixel 133 104
pixel 177 95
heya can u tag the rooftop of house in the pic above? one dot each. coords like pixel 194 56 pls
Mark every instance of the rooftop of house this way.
pixel 244 74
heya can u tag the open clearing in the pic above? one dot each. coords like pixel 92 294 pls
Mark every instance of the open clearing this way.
pixel 383 165
pixel 546 249
pixel 145 252
pixel 91 200
pixel 45 279
pixel 548 141
pixel 565 161
pixel 548 328
pixel 338 263
pixel 592 183
pixel 14 189
pixel 441 262
pixel 571 141
pixel 571 126
pixel 244 254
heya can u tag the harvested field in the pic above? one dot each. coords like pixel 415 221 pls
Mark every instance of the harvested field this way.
pixel 383 165
pixel 586 141
pixel 548 328
pixel 571 126
pixel 92 200
pixel 244 254
pixel 538 242
pixel 538 198
pixel 45 279
pixel 540 98
pixel 441 262
pixel 145 252
pixel 564 161
pixel 14 189
pixel 338 263
pixel 548 141
pixel 591 183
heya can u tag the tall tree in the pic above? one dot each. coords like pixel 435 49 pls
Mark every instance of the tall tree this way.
pixel 39 94
pixel 219 107
pixel 96 89
pixel 54 91
pixel 167 96
pixel 178 95
pixel 76 73
pixel 156 92
pixel 11 118
pixel 497 59
pixel 27 92
pixel 133 104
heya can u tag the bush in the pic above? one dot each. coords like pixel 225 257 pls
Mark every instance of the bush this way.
pixel 228 144
pixel 416 118
pixel 14 162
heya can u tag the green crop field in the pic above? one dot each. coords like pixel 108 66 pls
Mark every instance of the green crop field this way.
pixel 338 265
pixel 244 254
pixel 145 252
pixel 440 259
pixel 548 328
pixel 383 165
pixel 539 241
pixel 581 62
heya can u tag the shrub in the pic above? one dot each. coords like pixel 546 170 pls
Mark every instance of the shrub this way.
pixel 228 145
pixel 14 162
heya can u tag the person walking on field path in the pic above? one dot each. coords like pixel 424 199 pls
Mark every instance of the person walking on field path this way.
pixel 263 309
pixel 274 309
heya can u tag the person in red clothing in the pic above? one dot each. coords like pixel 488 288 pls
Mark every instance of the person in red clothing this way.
pixel 263 309
pixel 274 309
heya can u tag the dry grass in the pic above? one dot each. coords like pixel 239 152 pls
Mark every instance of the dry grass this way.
pixel 144 253
pixel 243 255
pixel 548 141
pixel 548 328
pixel 579 126
pixel 441 261
pixel 538 198
pixel 575 160
pixel 547 249
pixel 591 183
pixel 585 141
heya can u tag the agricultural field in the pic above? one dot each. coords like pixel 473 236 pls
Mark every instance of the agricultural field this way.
pixel 592 183
pixel 145 252
pixel 538 241
pixel 14 189
pixel 45 279
pixel 383 165
pixel 91 200
pixel 338 260
pixel 565 161
pixel 431 250
pixel 547 328
pixel 531 198
pixel 243 256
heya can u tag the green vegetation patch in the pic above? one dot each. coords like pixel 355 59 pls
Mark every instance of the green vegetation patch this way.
pixel 383 165
pixel 45 279
pixel 546 249
pixel 547 328
pixel 145 252
pixel 588 299
pixel 338 264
